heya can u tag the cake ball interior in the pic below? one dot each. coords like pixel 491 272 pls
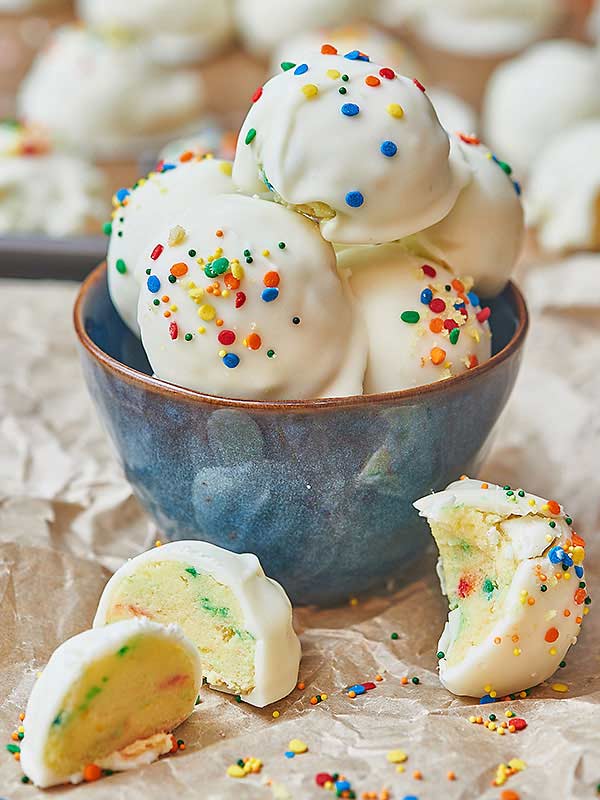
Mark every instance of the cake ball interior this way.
pixel 145 687
pixel 207 611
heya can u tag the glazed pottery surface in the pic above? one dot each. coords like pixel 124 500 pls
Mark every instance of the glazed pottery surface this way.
pixel 321 491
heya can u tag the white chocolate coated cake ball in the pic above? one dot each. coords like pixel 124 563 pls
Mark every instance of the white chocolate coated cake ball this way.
pixel 482 236
pixel 423 323
pixel 454 113
pixel 245 302
pixel 511 566
pixel 353 145
pixel 536 96
pixel 105 97
pixel 562 198
pixel 164 194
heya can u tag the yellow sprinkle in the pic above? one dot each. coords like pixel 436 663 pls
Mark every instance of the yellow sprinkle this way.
pixel 517 651
pixel 225 293
pixel 157 543
pixel 235 771
pixel 176 235
pixel 492 726
pixel 309 90
pixel 218 252
pixel 237 270
pixel 201 329
pixel 487 688
pixel 509 714
pixel 226 167
pixel 500 731
pixel 200 261
pixel 207 312
pixel 173 307
pixel 586 611
pixel 552 651
pixel 578 554
pixel 333 74
pixel 560 687
pixel 567 576
pixel 275 714
pixel 532 502
pixel 222 353
pixel 266 253
pixel 472 719
pixel 196 294
pixel 298 746
pixel 353 601
pixel 493 693
pixel 523 694
pixel 517 763
pixel 395 110
pixel 400 768
pixel 396 756
pixel 324 697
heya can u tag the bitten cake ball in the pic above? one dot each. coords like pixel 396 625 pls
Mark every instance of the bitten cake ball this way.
pixel 109 699
pixel 511 566
pixel 536 96
pixel 243 300
pixel 483 234
pixel 353 145
pixel 562 200
pixel 174 186
pixel 423 323
pixel 240 620
pixel 172 31
pixel 263 24
pixel 104 96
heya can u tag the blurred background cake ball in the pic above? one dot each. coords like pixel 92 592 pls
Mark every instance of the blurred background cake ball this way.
pixel 172 31
pixel 562 200
pixel 539 94
pixel 242 299
pixel 351 144
pixel 482 236
pixel 164 193
pixel 424 323
pixel 209 138
pixel 454 113
pixel 263 24
pixel 44 191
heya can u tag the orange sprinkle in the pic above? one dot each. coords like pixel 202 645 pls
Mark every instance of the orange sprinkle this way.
pixel 473 361
pixel 21 716
pixel 579 620
pixel 329 50
pixel 166 314
pixel 566 613
pixel 469 139
pixel 17 756
pixel 551 635
pixel 458 285
pixel 313 701
pixel 91 772
pixel 485 486
pixel 219 233
pixel 165 298
pixel 352 694
pixel 219 323
pixel 372 80
pixel 417 775
pixel 438 355
pixel 436 325
pixel 531 601
pixel 14 736
pixel 579 596
pixel 497 640
pixel 254 341
pixel 182 746
pixel 209 289
pixel 301 685
pixel 271 279
pixel 175 746
pixel 509 794
pixel 577 540
pixel 179 270
pixel 187 156
pixel 451 776
pixel 378 678
pixel 553 507
pixel 230 281
pixel 404 680
pixel 515 637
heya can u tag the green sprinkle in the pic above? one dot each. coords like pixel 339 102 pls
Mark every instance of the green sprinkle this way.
pixel 180 742
pixel 488 586
pixel 247 253
pixel 562 664
pixel 123 650
pixel 510 493
pixel 281 245
pixel 107 228
pixel 197 703
pixel 95 690
pixel 568 520
pixel 192 253
pixel 441 655
pixel 411 317
pixel 506 488
pixel 454 334
pixel 20 735
pixel 394 636
pixel 505 167
pixel 107 772
pixel 521 493
pixel 240 762
pixel 220 265
pixel 345 78
pixel 24 779
pixel 342 90
pixel 13 748
pixel 543 588
pixel 156 301
pixel 552 524
pixel 237 698
pixel 415 680
pixel 582 584
pixel 588 601
pixel 492 718
pixel 218 611
pixel 58 719
pixel 172 279
pixel 191 570
pixel 287 65
pixel 148 271
pixel 121 266
pixel 250 136
pixel 270 353
pixel 188 337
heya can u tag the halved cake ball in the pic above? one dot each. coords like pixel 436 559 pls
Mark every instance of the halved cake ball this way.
pixel 511 566
pixel 353 145
pixel 109 699
pixel 239 619
pixel 187 182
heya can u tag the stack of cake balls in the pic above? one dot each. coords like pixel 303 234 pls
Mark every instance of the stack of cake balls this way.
pixel 343 252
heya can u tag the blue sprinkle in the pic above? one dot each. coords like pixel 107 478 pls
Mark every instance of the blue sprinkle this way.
pixel 341 786
pixel 355 199
pixel 121 194
pixel 517 186
pixel 426 296
pixel 567 560
pixel 353 55
pixel 357 688
pixel 487 699
pixel 301 69
pixel 473 299
pixel 153 284
pixel 459 305
pixel 289 754
pixel 350 109
pixel 389 149
pixel 270 294
pixel 231 360
pixel 167 167
pixel 556 555
pixel 410 797
pixel 579 572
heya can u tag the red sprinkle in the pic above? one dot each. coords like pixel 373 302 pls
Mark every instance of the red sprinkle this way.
pixel 322 778
pixel 368 685
pixel 437 305
pixel 518 723
pixel 464 587
pixel 449 324
pixel 473 361
pixel 388 73
pixel 429 271
pixel 484 314
pixel 173 330
pixel 464 312
pixel 240 299
pixel 156 252
pixel 257 94
pixel 226 337
pixel 418 84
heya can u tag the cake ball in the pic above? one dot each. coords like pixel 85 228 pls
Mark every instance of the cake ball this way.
pixel 423 323
pixel 103 96
pixel 383 47
pixel 482 236
pixel 242 299
pixel 453 112
pixel 45 191
pixel 242 624
pixel 511 566
pixel 209 138
pixel 262 25
pixel 172 31
pixel 538 95
pixel 563 194
pixel 353 145
pixel 109 699
pixel 165 193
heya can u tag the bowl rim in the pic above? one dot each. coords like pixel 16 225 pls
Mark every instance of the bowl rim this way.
pixel 401 397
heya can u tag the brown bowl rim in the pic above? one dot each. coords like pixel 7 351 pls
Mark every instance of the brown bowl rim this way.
pixel 402 397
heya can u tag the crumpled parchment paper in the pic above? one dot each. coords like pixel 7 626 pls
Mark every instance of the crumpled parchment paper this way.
pixel 67 518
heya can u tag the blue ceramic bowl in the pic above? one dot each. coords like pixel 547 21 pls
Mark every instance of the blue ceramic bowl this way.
pixel 320 490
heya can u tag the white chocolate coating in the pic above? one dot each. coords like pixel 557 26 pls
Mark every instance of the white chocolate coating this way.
pixel 482 236
pixel 265 606
pixel 386 281
pixel 454 114
pixel 372 164
pixel 545 629
pixel 562 198
pixel 382 47
pixel 47 192
pixel 66 665
pixel 549 88
pixel 262 24
pixel 258 351
pixel 105 97
pixel 172 31
pixel 158 197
